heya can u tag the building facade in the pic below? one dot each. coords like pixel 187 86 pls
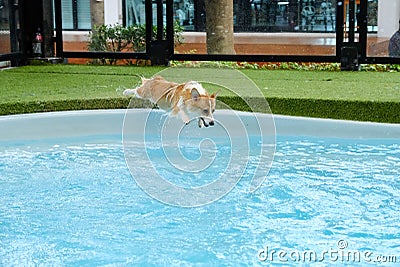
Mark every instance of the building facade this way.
pixel 249 15
pixel 267 27
pixel 261 26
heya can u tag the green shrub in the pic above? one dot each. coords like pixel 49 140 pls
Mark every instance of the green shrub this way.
pixel 118 38
pixel 301 66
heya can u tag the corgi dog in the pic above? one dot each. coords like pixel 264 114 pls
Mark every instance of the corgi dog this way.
pixel 188 100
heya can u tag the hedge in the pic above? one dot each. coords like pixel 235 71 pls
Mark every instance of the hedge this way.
pixel 334 109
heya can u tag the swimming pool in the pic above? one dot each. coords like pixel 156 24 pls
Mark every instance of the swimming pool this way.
pixel 67 195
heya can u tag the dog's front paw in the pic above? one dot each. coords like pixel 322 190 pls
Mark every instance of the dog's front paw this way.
pixel 200 123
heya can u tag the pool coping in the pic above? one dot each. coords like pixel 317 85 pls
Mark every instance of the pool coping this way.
pixel 61 124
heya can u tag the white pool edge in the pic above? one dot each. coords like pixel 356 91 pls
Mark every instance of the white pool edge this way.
pixel 107 122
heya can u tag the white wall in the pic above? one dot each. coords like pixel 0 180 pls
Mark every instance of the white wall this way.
pixel 112 12
pixel 388 17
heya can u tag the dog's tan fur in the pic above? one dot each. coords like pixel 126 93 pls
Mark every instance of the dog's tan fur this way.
pixel 188 100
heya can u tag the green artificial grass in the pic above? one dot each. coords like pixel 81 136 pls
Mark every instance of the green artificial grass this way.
pixel 365 96
pixel 66 82
pixel 349 86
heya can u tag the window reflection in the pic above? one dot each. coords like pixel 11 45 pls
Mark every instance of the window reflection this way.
pixel 76 14
pixel 258 15
pixel 135 12
pixel 285 16
pixel 4 28
pixel 4 15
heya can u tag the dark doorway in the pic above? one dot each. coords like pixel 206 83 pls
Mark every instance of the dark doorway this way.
pixel 10 32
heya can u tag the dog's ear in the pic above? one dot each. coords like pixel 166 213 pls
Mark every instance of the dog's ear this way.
pixel 214 95
pixel 195 94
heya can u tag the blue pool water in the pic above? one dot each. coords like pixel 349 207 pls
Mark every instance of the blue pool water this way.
pixel 74 202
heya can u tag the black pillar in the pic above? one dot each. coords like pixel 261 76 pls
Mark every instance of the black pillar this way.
pixel 350 50
pixel 38 17
pixel 160 47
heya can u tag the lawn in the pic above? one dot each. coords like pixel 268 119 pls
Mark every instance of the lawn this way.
pixel 367 96
pixel 351 86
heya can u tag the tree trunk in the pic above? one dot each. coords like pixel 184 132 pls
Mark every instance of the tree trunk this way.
pixel 219 26
pixel 97 10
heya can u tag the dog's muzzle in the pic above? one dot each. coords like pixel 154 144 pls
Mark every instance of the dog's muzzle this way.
pixel 204 122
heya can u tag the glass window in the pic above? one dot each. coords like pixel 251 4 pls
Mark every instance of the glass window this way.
pixel 67 15
pixel 184 14
pixel 285 16
pixel 258 15
pixel 4 28
pixel 372 16
pixel 83 14
pixel 76 14
pixel 135 13
pixel 4 25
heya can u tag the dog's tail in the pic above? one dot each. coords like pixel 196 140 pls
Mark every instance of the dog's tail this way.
pixel 129 92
